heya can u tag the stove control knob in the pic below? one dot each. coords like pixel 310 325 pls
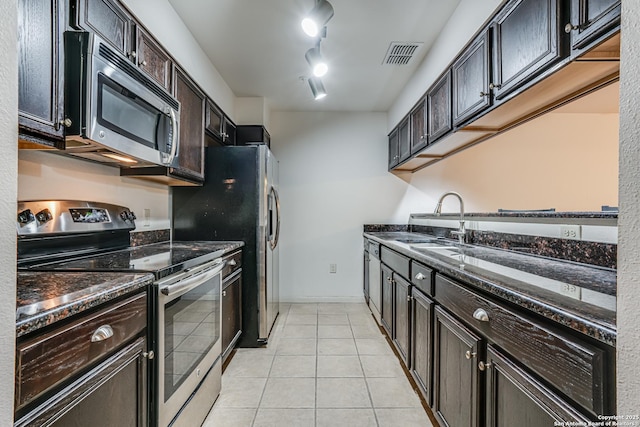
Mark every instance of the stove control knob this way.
pixel 124 215
pixel 44 215
pixel 25 217
pixel 132 216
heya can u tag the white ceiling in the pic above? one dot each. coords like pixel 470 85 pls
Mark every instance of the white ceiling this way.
pixel 258 47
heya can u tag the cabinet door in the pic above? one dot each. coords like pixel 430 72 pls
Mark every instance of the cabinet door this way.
pixel 401 324
pixel 231 313
pixel 516 398
pixel 418 122
pixel 422 342
pixel 229 134
pixel 365 272
pixel 114 393
pixel 41 71
pixel 439 106
pixel 471 92
pixel 393 149
pixel 455 373
pixel 190 160
pixel 153 59
pixel 214 121
pixel 526 41
pixel 591 19
pixel 387 300
pixel 404 145
pixel 107 19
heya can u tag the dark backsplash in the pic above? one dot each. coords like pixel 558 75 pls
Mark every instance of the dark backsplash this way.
pixel 593 253
pixel 139 238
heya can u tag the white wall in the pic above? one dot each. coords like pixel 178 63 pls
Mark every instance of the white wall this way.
pixel 465 21
pixel 164 23
pixel 44 175
pixel 333 180
pixel 563 161
pixel 8 177
pixel 628 347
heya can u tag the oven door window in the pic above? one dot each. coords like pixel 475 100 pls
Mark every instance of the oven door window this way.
pixel 191 328
pixel 127 114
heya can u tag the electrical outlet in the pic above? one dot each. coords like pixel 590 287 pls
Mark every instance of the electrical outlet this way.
pixel 333 268
pixel 571 232
pixel 147 217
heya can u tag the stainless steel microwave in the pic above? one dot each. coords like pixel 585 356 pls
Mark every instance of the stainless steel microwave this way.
pixel 113 112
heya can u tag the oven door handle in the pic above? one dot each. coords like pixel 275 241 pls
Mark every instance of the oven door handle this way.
pixel 184 286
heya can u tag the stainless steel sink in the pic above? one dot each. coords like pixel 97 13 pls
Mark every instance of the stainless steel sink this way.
pixel 432 246
pixel 412 240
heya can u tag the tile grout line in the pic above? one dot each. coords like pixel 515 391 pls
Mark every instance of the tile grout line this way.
pixel 364 376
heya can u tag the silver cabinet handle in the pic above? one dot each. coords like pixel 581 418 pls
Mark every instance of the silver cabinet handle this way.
pixel 570 27
pixel 420 276
pixel 232 262
pixel 102 333
pixel 66 122
pixel 389 279
pixel 224 293
pixel 468 354
pixel 483 366
pixel 149 354
pixel 494 86
pixel 143 63
pixel 481 315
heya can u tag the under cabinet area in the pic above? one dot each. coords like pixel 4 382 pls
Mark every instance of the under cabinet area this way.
pixel 480 362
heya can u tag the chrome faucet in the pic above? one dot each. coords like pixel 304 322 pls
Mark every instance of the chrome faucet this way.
pixel 461 231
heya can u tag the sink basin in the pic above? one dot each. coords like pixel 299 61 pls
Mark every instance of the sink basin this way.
pixel 432 246
pixel 416 240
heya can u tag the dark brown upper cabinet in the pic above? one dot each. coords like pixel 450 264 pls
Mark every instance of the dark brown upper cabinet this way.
pixel 439 107
pixel 418 128
pixel 393 149
pixel 192 106
pixel 41 73
pixel 106 18
pixel 404 145
pixel 471 74
pixel 219 126
pixel 591 19
pixel 528 38
pixel 152 59
pixel 252 134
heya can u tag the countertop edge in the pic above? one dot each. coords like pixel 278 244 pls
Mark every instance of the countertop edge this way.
pixel 606 334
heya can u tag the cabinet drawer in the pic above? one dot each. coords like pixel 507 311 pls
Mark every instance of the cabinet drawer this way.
pixel 422 277
pixel 45 361
pixel 374 249
pixel 575 367
pixel 233 262
pixel 398 263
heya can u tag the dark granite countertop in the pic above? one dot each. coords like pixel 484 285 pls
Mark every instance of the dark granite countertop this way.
pixel 578 296
pixel 44 298
pixel 529 214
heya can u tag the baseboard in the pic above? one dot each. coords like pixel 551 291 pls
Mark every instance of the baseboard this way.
pixel 346 299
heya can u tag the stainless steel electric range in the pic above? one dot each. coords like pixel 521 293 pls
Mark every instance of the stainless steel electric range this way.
pixel 185 313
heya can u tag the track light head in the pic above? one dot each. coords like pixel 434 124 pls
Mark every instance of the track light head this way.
pixel 317 88
pixel 321 13
pixel 318 65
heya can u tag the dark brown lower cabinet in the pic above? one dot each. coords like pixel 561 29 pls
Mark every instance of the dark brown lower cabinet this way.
pixel 231 312
pixel 421 342
pixel 387 300
pixel 515 398
pixel 455 373
pixel 402 302
pixel 114 393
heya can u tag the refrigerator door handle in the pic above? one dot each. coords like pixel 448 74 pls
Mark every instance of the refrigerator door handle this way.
pixel 276 236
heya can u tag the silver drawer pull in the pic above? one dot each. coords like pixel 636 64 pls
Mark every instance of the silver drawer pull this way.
pixel 232 262
pixel 483 366
pixel 469 354
pixel 481 315
pixel 102 333
pixel 420 276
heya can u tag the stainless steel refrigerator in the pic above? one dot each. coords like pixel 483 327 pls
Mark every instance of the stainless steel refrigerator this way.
pixel 239 201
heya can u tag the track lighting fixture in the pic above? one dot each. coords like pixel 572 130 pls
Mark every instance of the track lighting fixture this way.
pixel 318 65
pixel 317 18
pixel 317 88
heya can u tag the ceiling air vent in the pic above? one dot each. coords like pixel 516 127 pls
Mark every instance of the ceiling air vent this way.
pixel 401 53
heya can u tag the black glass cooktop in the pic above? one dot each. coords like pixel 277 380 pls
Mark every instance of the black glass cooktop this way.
pixel 162 259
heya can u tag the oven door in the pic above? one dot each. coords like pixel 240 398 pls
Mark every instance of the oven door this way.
pixel 189 319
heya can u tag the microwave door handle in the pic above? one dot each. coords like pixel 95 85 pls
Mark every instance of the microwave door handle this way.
pixel 174 136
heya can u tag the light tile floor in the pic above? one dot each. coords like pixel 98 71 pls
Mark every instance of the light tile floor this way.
pixel 326 364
